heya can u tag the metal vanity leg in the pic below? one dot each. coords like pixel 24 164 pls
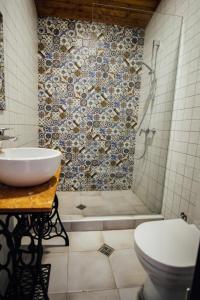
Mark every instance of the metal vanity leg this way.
pixel 27 277
pixel 40 220
pixel 53 226
pixel 6 245
pixel 36 275
pixel 62 233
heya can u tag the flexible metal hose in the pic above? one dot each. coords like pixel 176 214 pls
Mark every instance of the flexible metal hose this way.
pixel 150 98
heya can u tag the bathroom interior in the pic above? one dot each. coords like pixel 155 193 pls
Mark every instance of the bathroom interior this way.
pixel 100 149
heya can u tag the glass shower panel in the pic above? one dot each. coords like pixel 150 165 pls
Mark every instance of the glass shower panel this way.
pixel 135 75
pixel 162 37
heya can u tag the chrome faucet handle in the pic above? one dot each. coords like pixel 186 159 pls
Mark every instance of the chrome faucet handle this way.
pixel 141 131
pixel 2 130
pixel 153 130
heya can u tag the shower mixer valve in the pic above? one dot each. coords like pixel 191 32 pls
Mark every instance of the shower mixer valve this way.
pixel 147 131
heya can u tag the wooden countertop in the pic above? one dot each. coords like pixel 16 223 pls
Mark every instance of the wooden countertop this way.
pixel 29 199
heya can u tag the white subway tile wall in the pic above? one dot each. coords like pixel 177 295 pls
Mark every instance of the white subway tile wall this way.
pixel 182 183
pixel 149 172
pixel 21 74
pixel 182 177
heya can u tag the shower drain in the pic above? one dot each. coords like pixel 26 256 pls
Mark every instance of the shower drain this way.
pixel 106 250
pixel 81 206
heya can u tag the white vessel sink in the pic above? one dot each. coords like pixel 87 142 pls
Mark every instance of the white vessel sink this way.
pixel 28 166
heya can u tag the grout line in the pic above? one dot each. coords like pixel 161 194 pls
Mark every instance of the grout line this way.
pixel 113 273
pixel 94 291
pixel 68 259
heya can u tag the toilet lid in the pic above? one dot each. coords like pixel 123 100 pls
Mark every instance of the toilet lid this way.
pixel 170 242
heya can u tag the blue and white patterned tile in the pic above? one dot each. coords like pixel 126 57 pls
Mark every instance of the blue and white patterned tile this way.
pixel 88 100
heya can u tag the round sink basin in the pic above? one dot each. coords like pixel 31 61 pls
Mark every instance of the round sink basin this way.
pixel 28 166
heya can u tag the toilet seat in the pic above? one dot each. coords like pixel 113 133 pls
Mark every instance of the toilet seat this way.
pixel 169 245
pixel 163 274
pixel 167 251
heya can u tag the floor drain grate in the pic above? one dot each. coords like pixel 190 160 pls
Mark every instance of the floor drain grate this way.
pixel 81 206
pixel 106 250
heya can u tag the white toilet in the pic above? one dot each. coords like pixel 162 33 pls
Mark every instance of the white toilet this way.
pixel 167 250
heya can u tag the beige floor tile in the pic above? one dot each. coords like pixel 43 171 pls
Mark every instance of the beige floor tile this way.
pixel 89 271
pixel 129 293
pixel 70 213
pixel 68 195
pixel 58 275
pixel 56 241
pixel 119 239
pixel 67 207
pixel 57 296
pixel 128 195
pixel 100 295
pixel 96 211
pixel 85 241
pixel 128 271
pixel 90 193
pixel 135 199
pixel 95 206
pixel 115 193
pixel 55 249
pixel 92 200
pixel 120 206
pixel 141 209
pixel 68 202
pixel 120 202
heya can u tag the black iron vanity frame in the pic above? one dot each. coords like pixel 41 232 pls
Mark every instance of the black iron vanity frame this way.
pixel 28 277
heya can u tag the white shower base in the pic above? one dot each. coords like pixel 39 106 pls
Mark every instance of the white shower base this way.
pixel 104 210
pixel 101 203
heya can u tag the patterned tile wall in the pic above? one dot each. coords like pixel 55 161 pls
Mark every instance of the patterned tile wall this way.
pixel 88 100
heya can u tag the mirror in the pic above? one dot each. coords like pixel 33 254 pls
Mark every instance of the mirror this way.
pixel 2 81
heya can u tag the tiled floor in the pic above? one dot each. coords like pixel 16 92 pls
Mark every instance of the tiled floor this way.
pixel 81 272
pixel 105 203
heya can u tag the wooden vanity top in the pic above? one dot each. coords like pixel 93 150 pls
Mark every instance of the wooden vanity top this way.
pixel 29 199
